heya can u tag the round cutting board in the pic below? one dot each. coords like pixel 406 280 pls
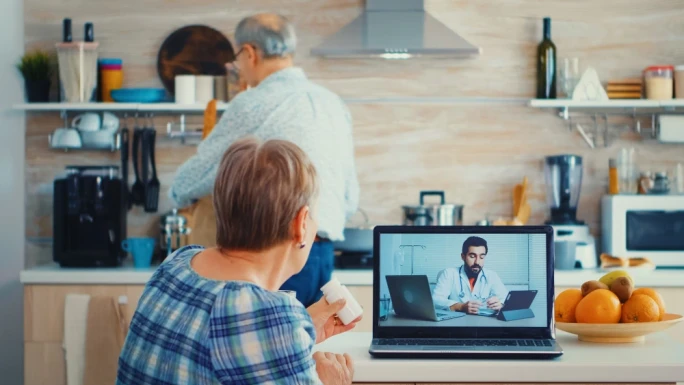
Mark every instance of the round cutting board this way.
pixel 193 50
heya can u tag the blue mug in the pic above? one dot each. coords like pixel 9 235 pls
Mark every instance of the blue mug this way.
pixel 141 249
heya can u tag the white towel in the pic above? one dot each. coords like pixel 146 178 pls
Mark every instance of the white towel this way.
pixel 75 321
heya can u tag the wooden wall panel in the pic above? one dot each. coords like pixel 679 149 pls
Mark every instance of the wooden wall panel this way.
pixel 474 151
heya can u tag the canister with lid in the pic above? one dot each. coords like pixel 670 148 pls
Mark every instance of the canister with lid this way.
pixel 679 81
pixel 659 83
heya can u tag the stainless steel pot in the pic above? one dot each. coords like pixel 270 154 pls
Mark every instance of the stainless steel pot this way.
pixel 357 239
pixel 442 214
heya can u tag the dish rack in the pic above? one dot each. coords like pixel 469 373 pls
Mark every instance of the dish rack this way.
pixel 114 146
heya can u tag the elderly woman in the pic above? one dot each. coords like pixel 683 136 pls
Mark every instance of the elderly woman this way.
pixel 215 316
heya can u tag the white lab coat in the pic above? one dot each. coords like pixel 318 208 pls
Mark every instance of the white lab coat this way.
pixel 453 287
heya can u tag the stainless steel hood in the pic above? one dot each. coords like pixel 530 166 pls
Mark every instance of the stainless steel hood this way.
pixel 395 29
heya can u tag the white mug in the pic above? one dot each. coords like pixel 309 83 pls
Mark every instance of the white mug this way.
pixel 65 138
pixel 87 122
pixel 109 121
pixel 184 89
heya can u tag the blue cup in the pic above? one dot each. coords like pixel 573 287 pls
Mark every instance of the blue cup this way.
pixel 141 249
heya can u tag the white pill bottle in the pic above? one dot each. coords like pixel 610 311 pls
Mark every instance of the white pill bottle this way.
pixel 335 291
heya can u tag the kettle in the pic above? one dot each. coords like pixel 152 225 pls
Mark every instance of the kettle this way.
pixel 174 232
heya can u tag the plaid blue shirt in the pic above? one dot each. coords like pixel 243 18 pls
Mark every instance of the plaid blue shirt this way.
pixel 192 330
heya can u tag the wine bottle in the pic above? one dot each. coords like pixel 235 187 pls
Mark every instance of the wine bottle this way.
pixel 66 31
pixel 546 65
pixel 89 33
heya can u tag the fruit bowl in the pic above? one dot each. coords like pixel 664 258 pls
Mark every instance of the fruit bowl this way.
pixel 616 333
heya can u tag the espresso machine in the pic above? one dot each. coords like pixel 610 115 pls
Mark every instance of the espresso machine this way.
pixel 574 244
pixel 89 217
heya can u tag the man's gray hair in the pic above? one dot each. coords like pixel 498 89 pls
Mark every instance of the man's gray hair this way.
pixel 273 34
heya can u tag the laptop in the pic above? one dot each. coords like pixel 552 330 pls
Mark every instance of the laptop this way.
pixel 411 297
pixel 512 263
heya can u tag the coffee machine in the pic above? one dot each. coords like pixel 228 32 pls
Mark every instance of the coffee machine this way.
pixel 574 244
pixel 89 217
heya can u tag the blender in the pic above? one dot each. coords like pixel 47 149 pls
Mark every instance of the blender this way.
pixel 574 245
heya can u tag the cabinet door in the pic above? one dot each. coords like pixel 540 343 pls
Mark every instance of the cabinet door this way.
pixel 44 307
pixel 44 326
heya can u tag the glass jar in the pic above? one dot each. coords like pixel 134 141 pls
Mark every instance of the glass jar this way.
pixel 679 82
pixel 659 83
pixel 645 182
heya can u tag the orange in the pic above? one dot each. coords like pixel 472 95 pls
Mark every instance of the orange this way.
pixel 640 308
pixel 566 302
pixel 601 306
pixel 655 296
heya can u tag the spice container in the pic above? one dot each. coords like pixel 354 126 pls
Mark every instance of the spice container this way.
pixel 111 78
pixel 659 82
pixel 679 82
pixel 645 182
pixel 613 180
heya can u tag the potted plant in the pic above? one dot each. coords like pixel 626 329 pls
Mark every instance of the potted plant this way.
pixel 36 67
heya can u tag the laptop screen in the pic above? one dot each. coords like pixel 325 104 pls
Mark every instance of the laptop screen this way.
pixel 470 277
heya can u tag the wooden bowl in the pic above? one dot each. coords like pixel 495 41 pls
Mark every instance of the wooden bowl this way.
pixel 616 333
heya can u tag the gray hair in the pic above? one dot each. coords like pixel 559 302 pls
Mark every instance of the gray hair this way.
pixel 273 34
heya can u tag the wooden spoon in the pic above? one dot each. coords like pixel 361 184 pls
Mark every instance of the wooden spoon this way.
pixel 517 199
pixel 525 212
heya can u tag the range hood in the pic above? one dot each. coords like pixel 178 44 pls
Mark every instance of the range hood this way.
pixel 395 29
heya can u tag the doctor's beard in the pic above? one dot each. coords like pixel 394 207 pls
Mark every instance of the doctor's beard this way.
pixel 474 270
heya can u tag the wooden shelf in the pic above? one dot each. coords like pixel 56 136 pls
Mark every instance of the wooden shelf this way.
pixel 141 107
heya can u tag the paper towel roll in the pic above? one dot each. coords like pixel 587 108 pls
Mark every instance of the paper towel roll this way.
pixel 204 88
pixel 185 89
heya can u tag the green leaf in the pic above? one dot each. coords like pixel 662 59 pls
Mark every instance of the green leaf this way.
pixel 36 65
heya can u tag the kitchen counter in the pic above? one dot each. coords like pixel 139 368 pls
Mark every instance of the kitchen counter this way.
pixel 128 275
pixel 657 360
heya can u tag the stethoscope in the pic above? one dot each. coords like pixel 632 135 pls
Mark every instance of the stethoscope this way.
pixel 461 294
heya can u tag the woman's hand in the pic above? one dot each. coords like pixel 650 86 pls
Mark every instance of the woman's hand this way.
pixel 326 324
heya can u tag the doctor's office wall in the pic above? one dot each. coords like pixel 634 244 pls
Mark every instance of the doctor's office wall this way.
pixel 475 147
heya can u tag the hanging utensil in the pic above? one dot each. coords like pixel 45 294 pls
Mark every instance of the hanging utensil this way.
pixel 124 163
pixel 138 188
pixel 152 186
pixel 144 162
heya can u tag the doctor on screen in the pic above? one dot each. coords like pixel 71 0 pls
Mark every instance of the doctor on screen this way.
pixel 469 287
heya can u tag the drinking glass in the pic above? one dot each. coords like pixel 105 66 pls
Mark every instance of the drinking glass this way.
pixel 678 187
pixel 627 172
pixel 384 308
pixel 569 76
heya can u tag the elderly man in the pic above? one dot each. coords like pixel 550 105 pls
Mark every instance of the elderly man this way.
pixel 282 103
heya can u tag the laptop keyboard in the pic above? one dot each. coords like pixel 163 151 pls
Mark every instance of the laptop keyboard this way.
pixel 463 342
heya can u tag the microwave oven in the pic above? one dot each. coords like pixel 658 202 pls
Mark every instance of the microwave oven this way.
pixel 650 226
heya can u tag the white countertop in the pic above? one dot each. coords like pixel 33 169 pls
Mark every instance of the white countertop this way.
pixel 128 275
pixel 658 359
